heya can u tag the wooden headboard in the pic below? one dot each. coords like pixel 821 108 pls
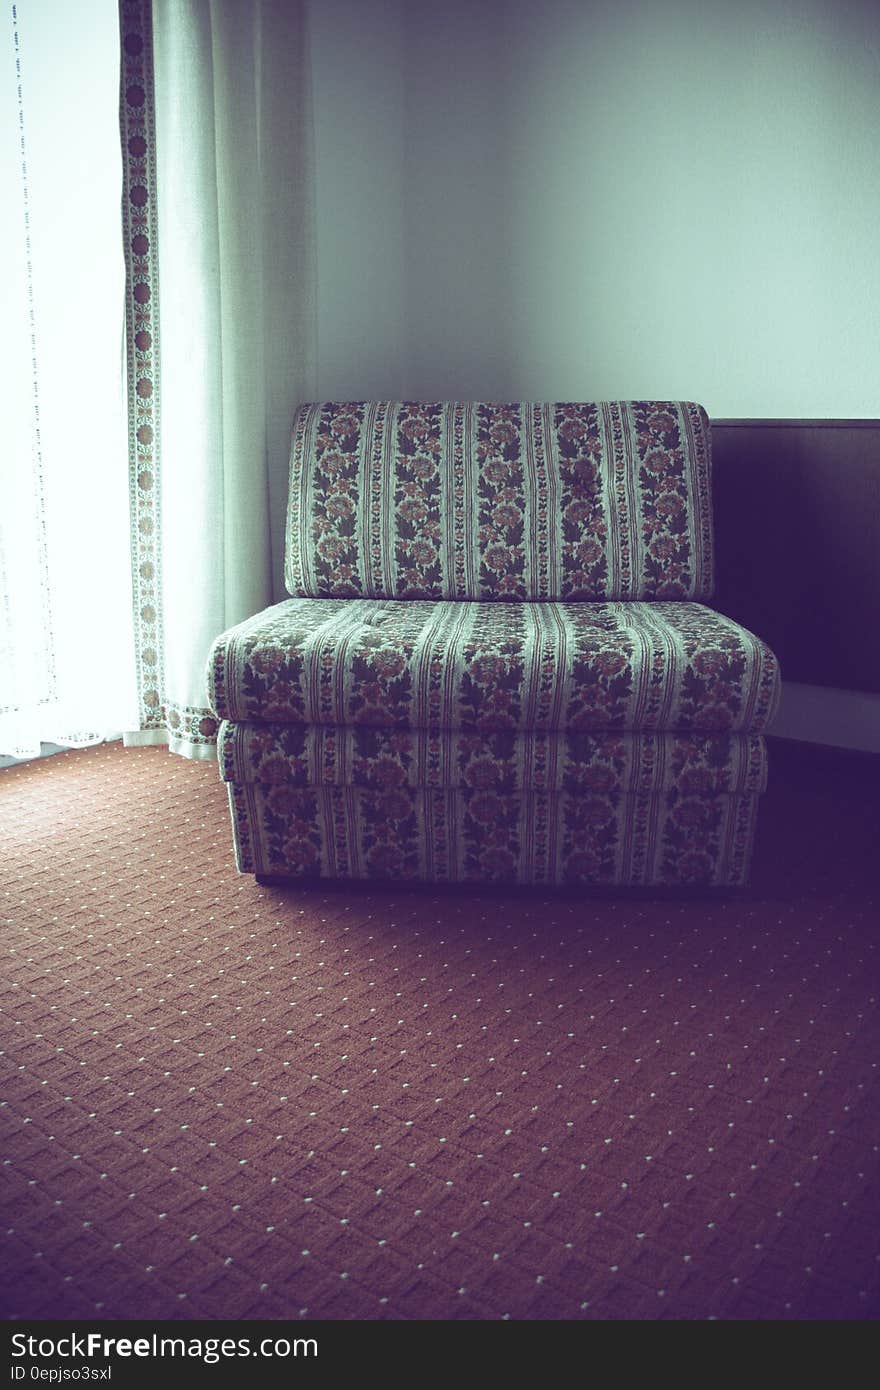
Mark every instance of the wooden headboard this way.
pixel 797 526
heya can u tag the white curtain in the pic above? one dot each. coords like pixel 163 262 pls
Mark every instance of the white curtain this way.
pixel 66 655
pixel 231 334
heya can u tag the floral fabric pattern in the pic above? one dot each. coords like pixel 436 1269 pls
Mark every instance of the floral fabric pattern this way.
pixel 417 502
pixel 486 666
pixel 474 836
pixel 496 763
pixel 496 666
pixel 591 501
pixel 501 515
pixel 584 521
pixel 334 493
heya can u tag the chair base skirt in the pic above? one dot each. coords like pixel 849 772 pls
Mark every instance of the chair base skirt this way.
pixel 455 835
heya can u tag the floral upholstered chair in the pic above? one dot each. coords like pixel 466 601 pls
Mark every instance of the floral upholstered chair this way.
pixel 498 663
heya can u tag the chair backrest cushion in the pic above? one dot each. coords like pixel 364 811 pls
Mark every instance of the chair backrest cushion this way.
pixel 596 500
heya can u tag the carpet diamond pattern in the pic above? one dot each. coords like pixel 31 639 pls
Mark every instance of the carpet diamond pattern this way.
pixel 228 1101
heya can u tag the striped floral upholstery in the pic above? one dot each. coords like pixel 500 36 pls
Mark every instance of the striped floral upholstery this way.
pixel 497 663
pixel 565 501
pixel 495 666
pixel 443 835
pixel 323 755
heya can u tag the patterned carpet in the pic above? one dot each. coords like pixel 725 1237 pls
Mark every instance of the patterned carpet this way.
pixel 227 1101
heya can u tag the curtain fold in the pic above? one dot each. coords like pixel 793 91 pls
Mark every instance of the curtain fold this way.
pixel 218 209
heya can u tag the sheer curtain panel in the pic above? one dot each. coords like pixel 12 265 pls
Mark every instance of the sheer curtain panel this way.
pixel 66 654
pixel 221 327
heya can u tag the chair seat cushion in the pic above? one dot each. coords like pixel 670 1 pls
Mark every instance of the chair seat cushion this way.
pixel 521 667
pixel 284 756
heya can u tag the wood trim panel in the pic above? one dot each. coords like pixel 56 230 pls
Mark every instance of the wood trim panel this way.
pixel 787 424
pixel 797 525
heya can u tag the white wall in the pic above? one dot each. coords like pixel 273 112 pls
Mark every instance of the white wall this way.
pixel 580 198
pixel 576 199
pixel 358 97
pixel 695 189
